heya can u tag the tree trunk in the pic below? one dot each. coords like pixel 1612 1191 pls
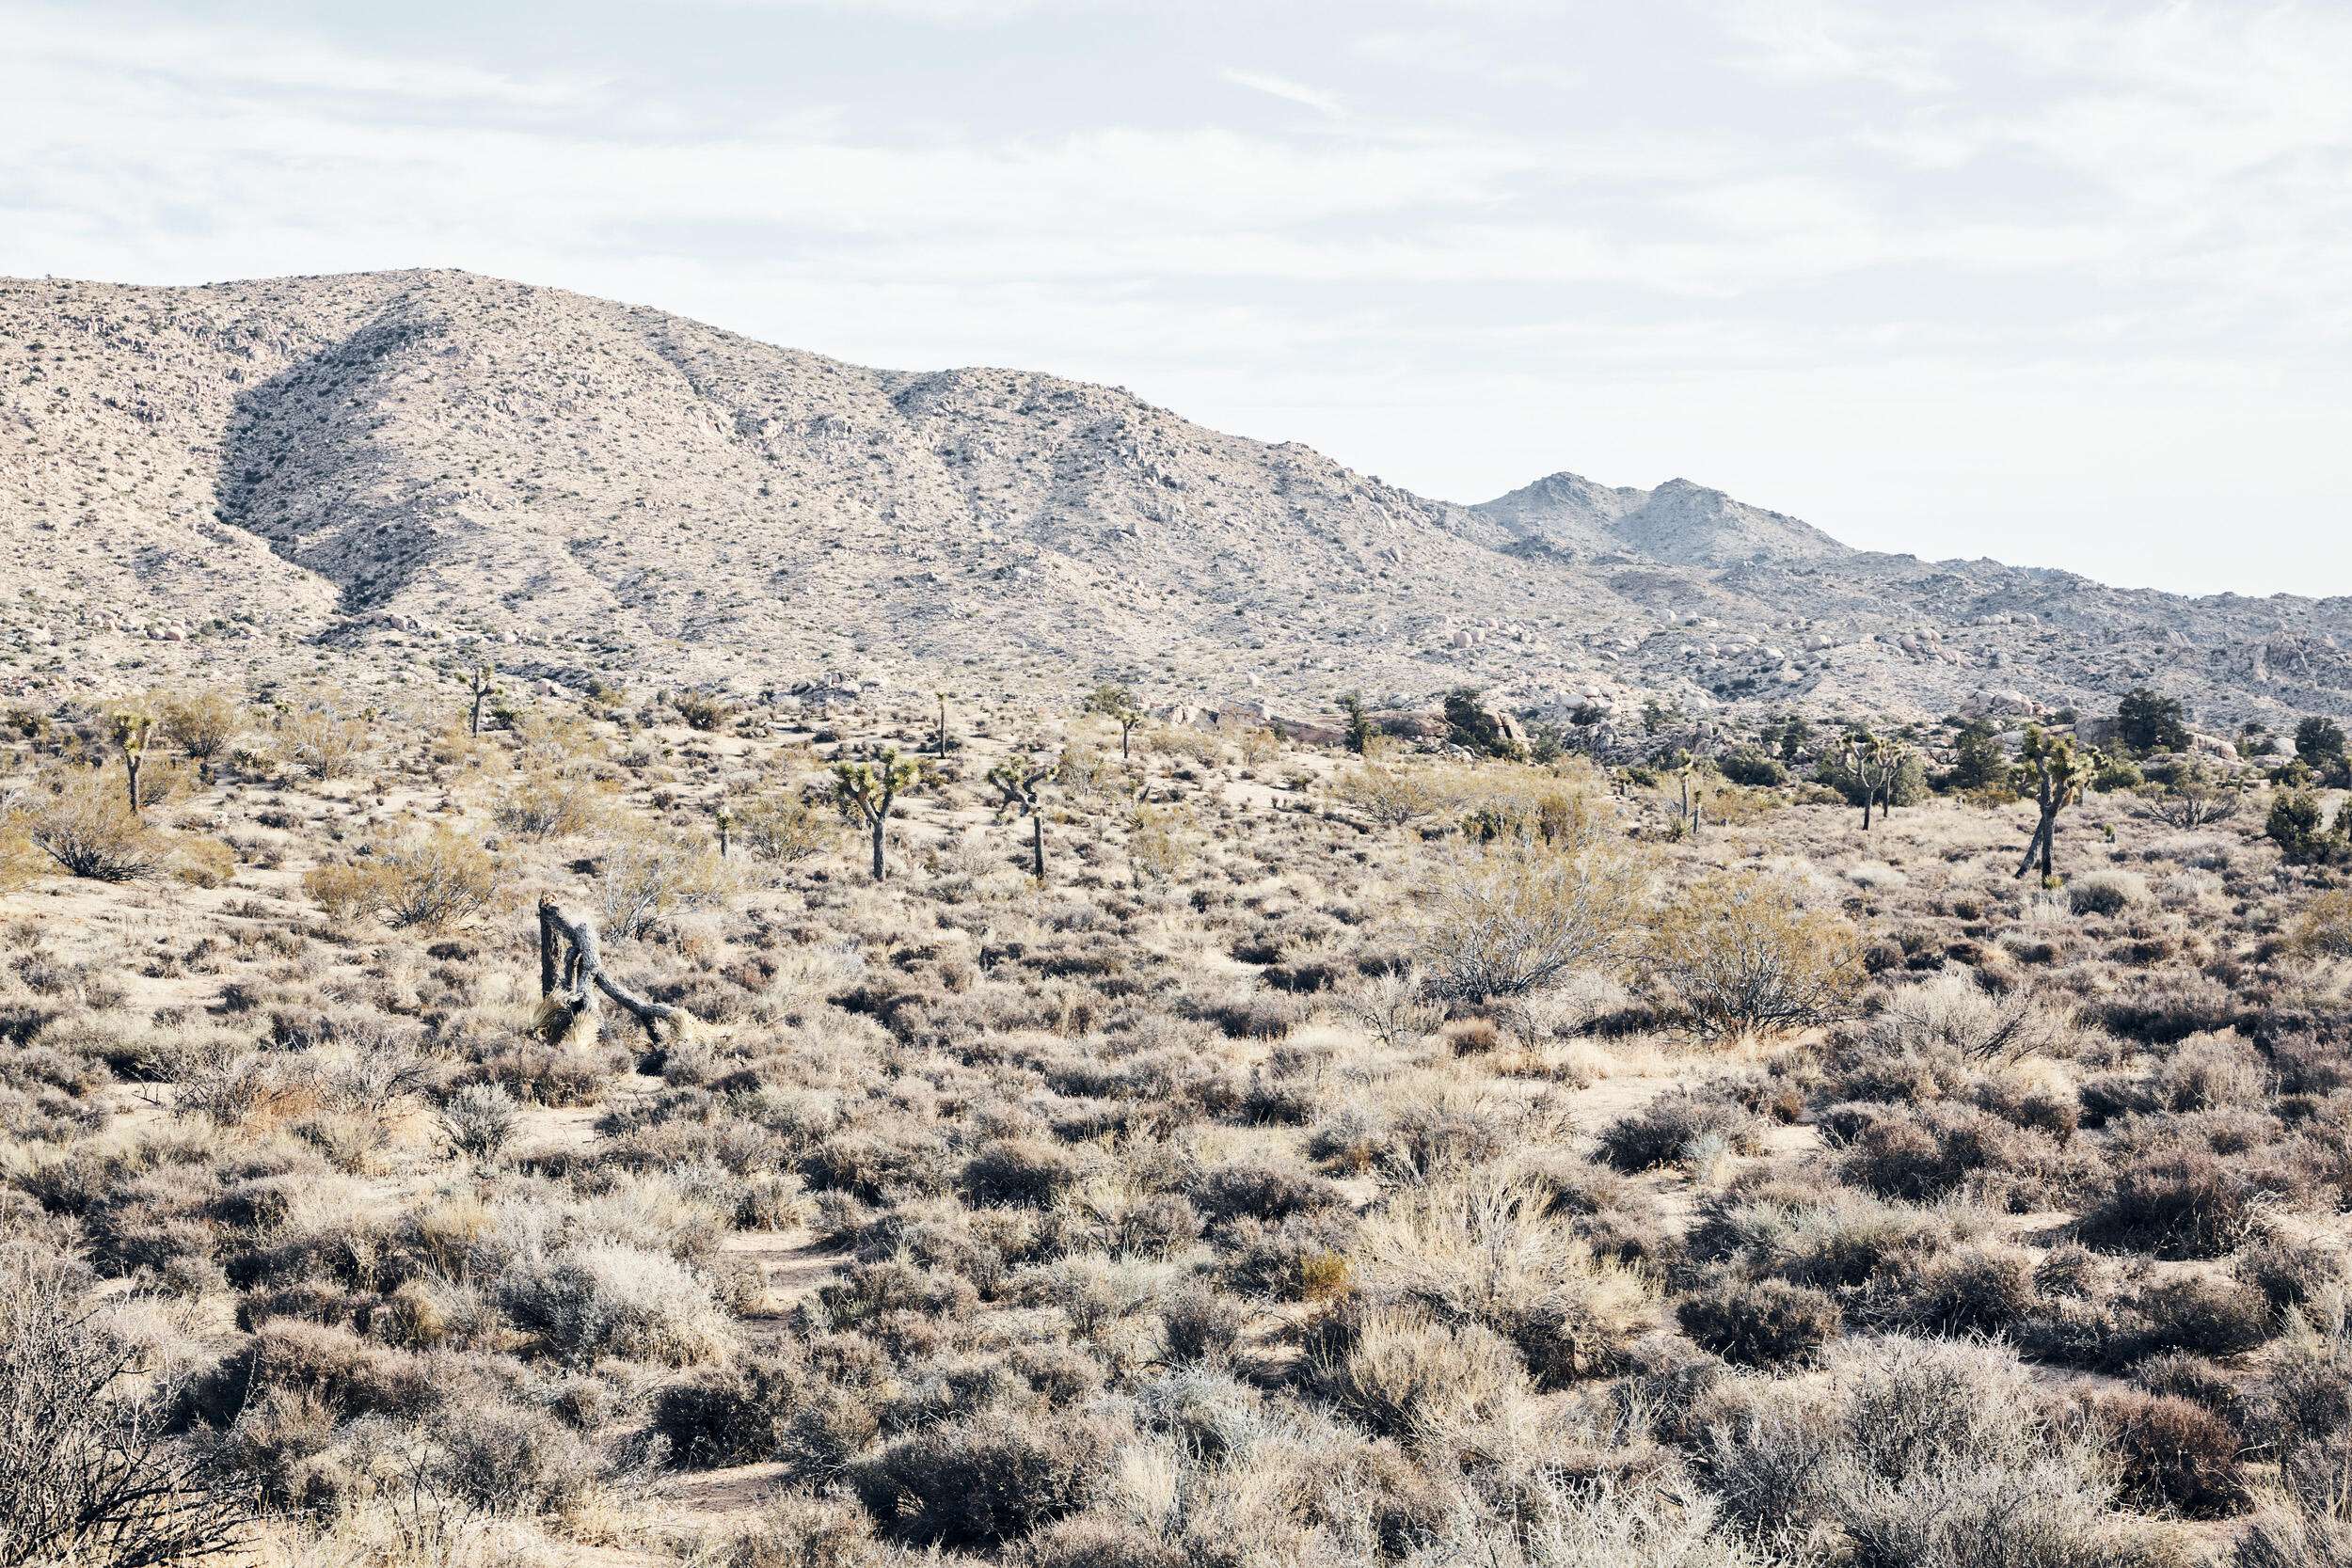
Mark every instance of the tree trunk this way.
pixel 1037 843
pixel 131 765
pixel 583 968
pixel 2039 842
pixel 877 849
pixel 1124 731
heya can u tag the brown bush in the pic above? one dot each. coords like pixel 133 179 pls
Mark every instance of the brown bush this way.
pixel 980 1483
pixel 86 1473
pixel 433 881
pixel 1761 1323
pixel 83 822
pixel 2183 1202
pixel 1740 955
pixel 2173 1454
pixel 1523 915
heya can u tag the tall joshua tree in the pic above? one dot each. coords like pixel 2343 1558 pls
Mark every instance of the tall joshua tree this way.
pixel 2058 772
pixel 866 791
pixel 1874 763
pixel 1019 780
pixel 1117 703
pixel 131 730
pixel 480 683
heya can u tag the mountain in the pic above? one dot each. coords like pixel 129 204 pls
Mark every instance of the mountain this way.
pixel 1679 522
pixel 436 465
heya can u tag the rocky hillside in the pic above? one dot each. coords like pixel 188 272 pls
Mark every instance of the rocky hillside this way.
pixel 1679 522
pixel 433 464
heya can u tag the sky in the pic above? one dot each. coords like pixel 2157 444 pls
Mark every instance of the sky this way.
pixel 2063 284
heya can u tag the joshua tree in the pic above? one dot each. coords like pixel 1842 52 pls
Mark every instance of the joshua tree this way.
pixel 130 732
pixel 2058 772
pixel 1117 703
pixel 1691 814
pixel 1874 763
pixel 942 738
pixel 1359 722
pixel 723 820
pixel 866 791
pixel 1019 781
pixel 480 684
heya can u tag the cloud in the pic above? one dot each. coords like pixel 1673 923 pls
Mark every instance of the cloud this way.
pixel 1321 102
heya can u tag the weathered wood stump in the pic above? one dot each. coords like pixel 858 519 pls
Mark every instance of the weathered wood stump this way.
pixel 572 973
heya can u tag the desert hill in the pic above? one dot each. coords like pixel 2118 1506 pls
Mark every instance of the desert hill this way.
pixel 436 461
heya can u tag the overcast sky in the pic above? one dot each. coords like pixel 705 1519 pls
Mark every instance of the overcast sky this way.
pixel 2064 284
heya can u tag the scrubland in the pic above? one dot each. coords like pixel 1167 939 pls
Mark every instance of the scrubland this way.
pixel 1411 1162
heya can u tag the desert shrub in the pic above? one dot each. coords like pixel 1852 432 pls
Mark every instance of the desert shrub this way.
pixel 432 881
pixel 1561 1518
pixel 702 710
pixel 2299 826
pixel 1199 1325
pixel 646 878
pixel 1022 1171
pixel 2305 1532
pixel 1740 955
pixel 1922 1454
pixel 2171 1005
pixel 606 1298
pixel 792 1531
pixel 509 1461
pixel 2322 927
pixel 1924 1152
pixel 1525 913
pixel 84 824
pixel 2172 1454
pixel 2290 1274
pixel 1390 796
pixel 2210 1317
pixel 86 1473
pixel 736 1416
pixel 1682 1126
pixel 985 1481
pixel 1979 1288
pixel 1752 766
pixel 2182 1201
pixel 323 1364
pixel 1952 1012
pixel 323 739
pixel 1453 1129
pixel 1761 1323
pixel 1392 1007
pixel 203 862
pixel 1484 1247
pixel 1400 1371
pixel 1267 1189
pixel 201 722
pixel 553 802
pixel 479 1120
pixel 2106 892
pixel 2211 1072
pixel 783 828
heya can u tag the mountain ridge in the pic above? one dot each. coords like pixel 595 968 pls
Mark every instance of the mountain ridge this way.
pixel 434 461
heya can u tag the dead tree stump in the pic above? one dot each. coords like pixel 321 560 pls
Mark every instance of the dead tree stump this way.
pixel 571 973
